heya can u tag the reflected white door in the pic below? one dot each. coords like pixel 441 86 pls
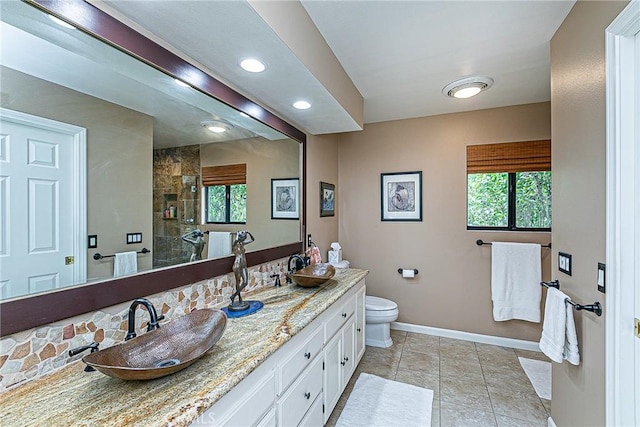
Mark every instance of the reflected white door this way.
pixel 42 204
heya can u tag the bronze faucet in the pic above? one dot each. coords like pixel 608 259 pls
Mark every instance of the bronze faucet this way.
pixel 153 317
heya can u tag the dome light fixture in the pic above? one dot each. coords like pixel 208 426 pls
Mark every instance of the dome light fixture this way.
pixel 252 65
pixel 467 87
pixel 301 105
pixel 216 126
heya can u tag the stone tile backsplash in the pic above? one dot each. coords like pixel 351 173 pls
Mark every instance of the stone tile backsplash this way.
pixel 30 354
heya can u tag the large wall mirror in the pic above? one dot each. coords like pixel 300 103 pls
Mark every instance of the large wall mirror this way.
pixel 132 150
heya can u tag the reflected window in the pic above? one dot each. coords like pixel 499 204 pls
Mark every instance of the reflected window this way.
pixel 226 204
pixel 225 194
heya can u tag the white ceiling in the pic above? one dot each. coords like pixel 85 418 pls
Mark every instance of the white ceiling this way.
pixel 399 54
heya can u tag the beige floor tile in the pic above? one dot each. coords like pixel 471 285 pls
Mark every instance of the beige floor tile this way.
pixel 508 378
pixel 517 405
pixel 420 345
pixel 458 368
pixel 497 356
pixel 455 343
pixel 382 356
pixel 460 352
pixel 384 371
pixel 536 355
pixel 452 415
pixel 400 335
pixel 547 405
pixel 421 379
pixel 469 391
pixel 423 337
pixel 513 422
pixel 429 363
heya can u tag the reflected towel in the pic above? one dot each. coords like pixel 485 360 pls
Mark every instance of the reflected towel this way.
pixel 559 340
pixel 219 244
pixel 515 281
pixel 125 263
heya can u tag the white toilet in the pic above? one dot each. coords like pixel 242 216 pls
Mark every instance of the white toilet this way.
pixel 379 313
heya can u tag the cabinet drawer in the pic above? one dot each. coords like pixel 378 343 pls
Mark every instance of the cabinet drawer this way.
pixel 302 357
pixel 255 404
pixel 301 395
pixel 335 322
pixel 314 417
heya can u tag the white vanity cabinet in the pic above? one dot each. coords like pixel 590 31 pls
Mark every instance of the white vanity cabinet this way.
pixel 299 384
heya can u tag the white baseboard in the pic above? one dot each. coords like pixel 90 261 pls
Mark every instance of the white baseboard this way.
pixel 467 336
pixel 550 422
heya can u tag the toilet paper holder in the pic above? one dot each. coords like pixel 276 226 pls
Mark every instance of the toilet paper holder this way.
pixel 415 270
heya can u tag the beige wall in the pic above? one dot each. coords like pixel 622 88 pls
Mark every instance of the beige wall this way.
pixel 119 162
pixel 452 290
pixel 322 165
pixel 265 160
pixel 578 133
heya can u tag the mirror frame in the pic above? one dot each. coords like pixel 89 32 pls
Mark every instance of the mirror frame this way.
pixel 41 309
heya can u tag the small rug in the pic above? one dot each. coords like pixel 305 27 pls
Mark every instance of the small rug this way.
pixel 376 401
pixel 539 373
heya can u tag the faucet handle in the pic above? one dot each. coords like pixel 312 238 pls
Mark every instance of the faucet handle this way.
pixel 154 325
pixel 277 277
pixel 93 346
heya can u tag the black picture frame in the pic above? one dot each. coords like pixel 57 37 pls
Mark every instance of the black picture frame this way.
pixel 401 196
pixel 285 198
pixel 327 199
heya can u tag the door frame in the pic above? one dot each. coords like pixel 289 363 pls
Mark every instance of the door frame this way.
pixel 623 208
pixel 78 210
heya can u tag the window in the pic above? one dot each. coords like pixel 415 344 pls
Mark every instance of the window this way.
pixel 509 186
pixel 226 204
pixel 225 194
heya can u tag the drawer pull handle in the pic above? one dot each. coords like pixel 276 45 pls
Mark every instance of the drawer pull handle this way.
pixel 344 314
pixel 307 355
pixel 346 359
pixel 307 395
pixel 343 363
pixel 359 330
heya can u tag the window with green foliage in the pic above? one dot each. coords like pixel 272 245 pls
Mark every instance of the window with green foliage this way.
pixel 512 201
pixel 509 186
pixel 226 204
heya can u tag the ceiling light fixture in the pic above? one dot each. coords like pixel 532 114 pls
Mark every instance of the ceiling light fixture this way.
pixel 216 126
pixel 61 22
pixel 301 105
pixel 467 87
pixel 252 65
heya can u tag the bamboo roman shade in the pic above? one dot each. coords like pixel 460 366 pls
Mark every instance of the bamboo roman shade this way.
pixel 526 156
pixel 224 175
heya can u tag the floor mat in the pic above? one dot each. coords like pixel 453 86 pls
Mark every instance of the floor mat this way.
pixel 539 373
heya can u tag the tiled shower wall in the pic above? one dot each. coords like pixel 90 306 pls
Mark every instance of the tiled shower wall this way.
pixel 176 173
pixel 33 353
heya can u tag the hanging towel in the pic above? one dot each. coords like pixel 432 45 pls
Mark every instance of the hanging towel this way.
pixel 125 263
pixel 559 340
pixel 515 281
pixel 219 244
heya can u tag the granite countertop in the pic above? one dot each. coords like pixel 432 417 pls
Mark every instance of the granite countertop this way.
pixel 71 396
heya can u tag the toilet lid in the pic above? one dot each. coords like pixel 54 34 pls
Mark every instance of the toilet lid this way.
pixel 378 304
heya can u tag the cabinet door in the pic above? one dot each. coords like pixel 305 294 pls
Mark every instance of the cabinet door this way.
pixel 332 384
pixel 348 351
pixel 360 323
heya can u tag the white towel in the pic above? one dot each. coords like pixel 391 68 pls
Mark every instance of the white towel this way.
pixel 219 244
pixel 125 263
pixel 515 281
pixel 559 340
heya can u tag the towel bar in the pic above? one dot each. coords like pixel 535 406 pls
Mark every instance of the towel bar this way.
pixel 97 256
pixel 415 271
pixel 480 242
pixel 594 308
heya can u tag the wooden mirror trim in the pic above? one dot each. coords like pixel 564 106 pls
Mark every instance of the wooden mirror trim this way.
pixel 30 312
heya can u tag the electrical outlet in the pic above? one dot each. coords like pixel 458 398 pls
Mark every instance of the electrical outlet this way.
pixel 601 277
pixel 564 263
pixel 308 240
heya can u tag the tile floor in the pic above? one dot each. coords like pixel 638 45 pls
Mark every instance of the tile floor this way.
pixel 474 384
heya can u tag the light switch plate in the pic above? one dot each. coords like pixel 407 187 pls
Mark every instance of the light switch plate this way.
pixel 92 241
pixel 601 277
pixel 134 238
pixel 564 263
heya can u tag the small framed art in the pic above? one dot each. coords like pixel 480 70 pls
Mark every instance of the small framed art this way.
pixel 285 195
pixel 327 199
pixel 401 196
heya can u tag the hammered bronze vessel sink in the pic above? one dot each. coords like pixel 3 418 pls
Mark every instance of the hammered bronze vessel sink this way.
pixel 163 351
pixel 313 275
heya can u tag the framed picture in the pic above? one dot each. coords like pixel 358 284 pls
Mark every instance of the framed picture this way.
pixel 327 199
pixel 401 196
pixel 285 195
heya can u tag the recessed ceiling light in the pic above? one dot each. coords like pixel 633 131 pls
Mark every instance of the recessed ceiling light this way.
pixel 467 87
pixel 61 22
pixel 216 126
pixel 252 65
pixel 301 105
pixel 181 83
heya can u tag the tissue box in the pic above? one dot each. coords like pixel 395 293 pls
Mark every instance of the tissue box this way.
pixel 335 256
